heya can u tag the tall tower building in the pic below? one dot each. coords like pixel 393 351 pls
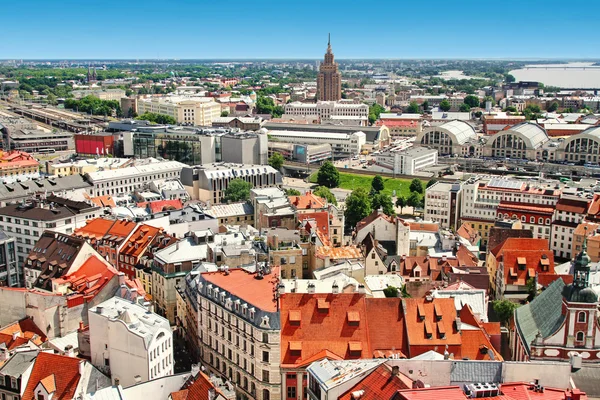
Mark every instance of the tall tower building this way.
pixel 329 82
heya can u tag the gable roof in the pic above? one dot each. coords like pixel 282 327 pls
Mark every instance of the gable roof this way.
pixel 379 384
pixel 196 388
pixel 376 214
pixel 26 330
pixel 307 201
pixel 543 314
pixel 66 375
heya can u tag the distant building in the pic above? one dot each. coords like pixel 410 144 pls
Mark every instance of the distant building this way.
pixel 129 342
pixel 330 111
pixel 102 94
pixel 329 80
pixel 443 204
pixel 409 161
pixel 194 111
pixel 15 163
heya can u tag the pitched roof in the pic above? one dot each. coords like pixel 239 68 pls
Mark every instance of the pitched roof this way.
pixel 161 205
pixel 196 388
pixel 498 235
pixel 103 228
pixel 379 384
pixel 572 205
pixel 320 218
pixel 385 318
pixel 445 392
pixel 66 375
pixel 89 279
pixel 307 201
pixel 521 244
pixel 466 231
pixel 543 314
pixel 26 330
pixel 366 221
pixel 339 253
pixel 521 265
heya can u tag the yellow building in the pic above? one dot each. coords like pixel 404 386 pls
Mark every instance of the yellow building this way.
pixel 14 163
pixel 86 166
pixel 197 111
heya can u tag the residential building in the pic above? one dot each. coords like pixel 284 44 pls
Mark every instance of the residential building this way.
pixel 330 111
pixel 194 111
pixel 126 180
pixel 443 204
pixel 26 222
pixel 209 181
pixel 570 211
pixel 55 376
pixel 24 190
pixel 136 252
pixel 239 330
pixel 560 324
pixel 10 271
pixel 516 261
pixel 288 251
pixel 243 123
pixel 17 163
pixel 200 387
pixel 589 230
pixel 86 165
pixel 535 217
pixel 408 161
pixel 102 94
pixel 329 80
pixel 129 342
pixel 106 235
pixel 240 214
pixel 15 372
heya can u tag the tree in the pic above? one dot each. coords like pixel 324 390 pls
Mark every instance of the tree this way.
pixel 276 161
pixel 509 78
pixel 504 309
pixel 358 206
pixel 325 193
pixel 377 184
pixel 157 118
pixel 383 201
pixel 425 105
pixel 328 175
pixel 471 101
pixel 416 186
pixel 404 292
pixel 224 113
pixel 237 190
pixel 415 200
pixel 552 107
pixel 292 192
pixel 413 108
pixel 445 105
pixel 431 182
pixel 511 109
pixel 374 112
pixel 391 291
pixel 266 105
pixel 401 202
pixel 531 289
pixel 534 108
pixel 464 108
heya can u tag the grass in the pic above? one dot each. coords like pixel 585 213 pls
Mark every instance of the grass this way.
pixel 354 181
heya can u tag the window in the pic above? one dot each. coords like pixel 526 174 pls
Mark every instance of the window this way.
pixel 291 392
pixel 581 316
pixel 265 375
pixel 265 356
pixel 580 336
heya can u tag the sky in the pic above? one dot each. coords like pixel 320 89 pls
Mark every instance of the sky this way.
pixel 232 29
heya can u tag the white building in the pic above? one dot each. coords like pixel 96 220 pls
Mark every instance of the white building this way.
pixel 569 212
pixel 407 162
pixel 328 111
pixel 341 143
pixel 102 94
pixel 130 342
pixel 197 111
pixel 126 180
pixel 442 203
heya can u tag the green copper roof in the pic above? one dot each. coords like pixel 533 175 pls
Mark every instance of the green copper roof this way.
pixel 543 314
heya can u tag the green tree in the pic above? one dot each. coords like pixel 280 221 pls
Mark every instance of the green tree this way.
pixel 511 109
pixel 401 202
pixel 266 105
pixel 157 118
pixel 464 108
pixel 415 200
pixel 416 186
pixel 531 289
pixel 237 190
pixel 431 182
pixel 325 193
pixel 404 292
pixel 472 101
pixel 413 108
pixel 328 175
pixel 391 291
pixel 224 113
pixel 358 206
pixel 425 106
pixel 445 105
pixel 509 78
pixel 292 192
pixel 552 107
pixel 504 310
pixel 375 111
pixel 534 108
pixel 276 161
pixel 383 201
pixel 377 184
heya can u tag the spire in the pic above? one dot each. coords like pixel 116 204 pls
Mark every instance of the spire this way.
pixel 329 44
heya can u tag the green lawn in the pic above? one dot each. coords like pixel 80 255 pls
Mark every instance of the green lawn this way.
pixel 354 181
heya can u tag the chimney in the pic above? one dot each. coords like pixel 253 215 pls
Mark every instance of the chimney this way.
pixel 281 288
pixel 123 291
pixel 81 326
pixel 99 310
pixel 82 367
pixel 69 351
pixel 195 369
pixel 15 335
pixel 361 288
pixel 121 278
pixel 134 294
pixel 4 354
pixel 395 370
pixel 310 288
pixel 149 307
pixel 335 288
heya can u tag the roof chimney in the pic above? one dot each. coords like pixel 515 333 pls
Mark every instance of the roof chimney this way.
pixel 361 288
pixel 395 370
pixel 69 351
pixel 195 370
pixel 121 278
pixel 82 367
pixel 15 335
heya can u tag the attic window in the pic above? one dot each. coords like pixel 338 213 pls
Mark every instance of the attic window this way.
pixel 513 273
pixel 296 347
pixel 420 312
pixel 295 317
pixel 428 330
pixel 441 330
pixel 522 262
pixel 438 311
pixel 353 317
pixel 355 347
pixel 323 305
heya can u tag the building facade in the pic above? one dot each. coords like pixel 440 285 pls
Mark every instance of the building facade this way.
pixel 193 111
pixel 443 204
pixel 329 80
pixel 10 272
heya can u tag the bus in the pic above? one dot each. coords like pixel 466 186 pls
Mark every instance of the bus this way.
pixel 46 151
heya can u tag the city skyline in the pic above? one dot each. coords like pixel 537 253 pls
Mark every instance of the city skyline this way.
pixel 194 31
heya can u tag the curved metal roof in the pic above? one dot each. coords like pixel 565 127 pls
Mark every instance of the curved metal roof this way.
pixel 533 135
pixel 460 131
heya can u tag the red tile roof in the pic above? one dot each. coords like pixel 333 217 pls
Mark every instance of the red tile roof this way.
pixel 339 253
pixel 386 321
pixel 196 389
pixel 103 201
pixel 244 285
pixel 89 279
pixel 391 123
pixel 521 244
pixel 542 209
pixel 522 258
pixel 366 221
pixel 572 205
pixel 307 201
pixel 594 210
pixel 523 391
pixel 320 218
pixel 66 374
pixel 26 330
pixel 99 228
pixel 423 227
pixel 139 240
pixel 379 385
pixel 161 205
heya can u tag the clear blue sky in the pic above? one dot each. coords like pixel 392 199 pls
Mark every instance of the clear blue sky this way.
pixel 68 29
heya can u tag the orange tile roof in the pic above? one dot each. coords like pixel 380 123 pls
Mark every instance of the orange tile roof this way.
pixel 572 205
pixel 581 228
pixel 416 324
pixel 49 383
pixel 594 209
pixel 378 385
pixel 524 263
pixel 196 388
pixel 523 391
pixel 242 284
pixel 522 244
pixel 445 393
pixel 161 205
pixel 26 330
pixel 306 201
pixel 321 219
pixel 366 221
pixel 90 278
pixel 66 374
pixel 99 228
pixel 103 201
pixel 423 226
pixel 140 239
pixel 338 253
pixel 386 321
pixel 534 208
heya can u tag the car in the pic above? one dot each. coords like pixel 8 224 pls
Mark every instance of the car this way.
pixel 364 167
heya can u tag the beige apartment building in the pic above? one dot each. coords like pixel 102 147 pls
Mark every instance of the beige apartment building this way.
pixel 196 111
